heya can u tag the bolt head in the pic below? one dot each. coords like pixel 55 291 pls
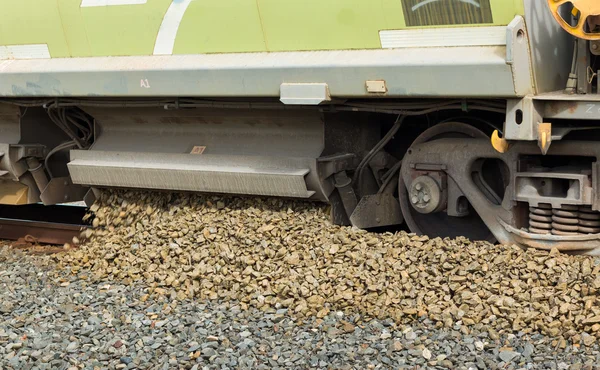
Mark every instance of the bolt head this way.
pixel 594 46
pixel 425 194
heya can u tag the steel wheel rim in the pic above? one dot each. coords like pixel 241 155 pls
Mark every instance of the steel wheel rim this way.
pixel 415 220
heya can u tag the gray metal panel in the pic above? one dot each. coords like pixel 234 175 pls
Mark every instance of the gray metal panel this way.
pixel 518 56
pixel 528 189
pixel 457 71
pixel 204 173
pixel 304 94
pixel 564 106
pixel 561 96
pixel 224 132
pixel 10 128
pixel 244 151
pixel 530 112
pixel 443 36
pixel 583 110
pixel 551 47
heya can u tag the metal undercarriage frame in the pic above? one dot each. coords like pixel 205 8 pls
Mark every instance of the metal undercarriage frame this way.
pixel 249 151
pixel 456 158
pixel 524 116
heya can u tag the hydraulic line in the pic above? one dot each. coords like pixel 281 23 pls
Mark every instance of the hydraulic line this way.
pixel 37 171
pixel 377 148
pixel 396 108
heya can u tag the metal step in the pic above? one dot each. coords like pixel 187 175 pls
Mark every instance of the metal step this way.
pixel 266 176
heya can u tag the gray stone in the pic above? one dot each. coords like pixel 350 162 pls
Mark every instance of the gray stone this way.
pixel 72 347
pixel 528 350
pixel 508 356
pixel 411 335
pixel 210 345
pixel 208 352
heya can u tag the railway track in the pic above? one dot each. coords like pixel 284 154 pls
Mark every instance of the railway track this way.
pixel 38 224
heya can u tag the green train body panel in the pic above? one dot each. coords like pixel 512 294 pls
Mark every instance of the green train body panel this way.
pixel 70 29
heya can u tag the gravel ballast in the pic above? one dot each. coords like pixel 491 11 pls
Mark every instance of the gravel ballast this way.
pixel 272 254
pixel 178 281
pixel 71 323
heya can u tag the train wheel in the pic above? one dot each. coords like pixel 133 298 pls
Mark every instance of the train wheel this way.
pixel 437 223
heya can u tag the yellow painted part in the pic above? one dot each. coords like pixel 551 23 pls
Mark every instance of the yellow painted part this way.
pixel 586 8
pixel 13 193
pixel 544 136
pixel 500 144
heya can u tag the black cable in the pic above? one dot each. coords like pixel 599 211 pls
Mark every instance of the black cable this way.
pixel 389 176
pixel 377 148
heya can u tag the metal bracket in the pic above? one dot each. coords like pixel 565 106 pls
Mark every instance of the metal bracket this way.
pixel 333 164
pixel 457 201
pixel 380 162
pixel 62 190
pixel 518 56
pixel 344 185
pixel 525 121
pixel 90 197
pixel 595 47
pixel 583 61
pixel 304 93
pixel 376 211
pixel 553 188
pixel 522 118
pixel 29 150
pixel 544 136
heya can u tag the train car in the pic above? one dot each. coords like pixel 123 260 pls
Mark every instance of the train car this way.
pixel 474 118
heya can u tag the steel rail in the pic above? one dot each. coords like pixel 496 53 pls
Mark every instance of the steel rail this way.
pixel 40 231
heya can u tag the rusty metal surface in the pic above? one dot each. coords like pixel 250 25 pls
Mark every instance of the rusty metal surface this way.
pixel 458 162
pixel 62 190
pixel 449 155
pixel 42 224
pixel 377 211
pixel 42 232
pixel 565 109
pixel 580 244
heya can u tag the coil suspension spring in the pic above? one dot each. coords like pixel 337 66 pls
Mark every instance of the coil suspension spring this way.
pixel 567 220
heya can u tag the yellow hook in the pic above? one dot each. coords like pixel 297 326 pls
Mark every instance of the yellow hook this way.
pixel 500 144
